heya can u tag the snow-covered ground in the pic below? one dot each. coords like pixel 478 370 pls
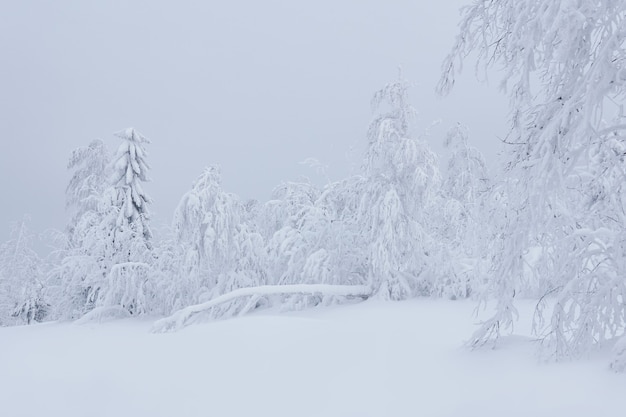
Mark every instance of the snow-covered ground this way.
pixel 369 359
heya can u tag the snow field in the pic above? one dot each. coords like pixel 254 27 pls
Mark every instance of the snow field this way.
pixel 370 359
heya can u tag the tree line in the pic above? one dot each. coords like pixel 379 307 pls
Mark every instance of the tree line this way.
pixel 549 225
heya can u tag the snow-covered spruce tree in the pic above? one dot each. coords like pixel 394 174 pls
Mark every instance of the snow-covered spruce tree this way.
pixel 130 170
pixel 565 69
pixel 126 223
pixel 22 300
pixel 109 258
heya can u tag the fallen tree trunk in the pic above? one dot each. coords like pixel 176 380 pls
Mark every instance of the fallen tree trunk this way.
pixel 182 317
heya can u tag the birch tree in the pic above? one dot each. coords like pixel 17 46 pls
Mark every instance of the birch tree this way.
pixel 402 185
pixel 22 299
pixel 563 65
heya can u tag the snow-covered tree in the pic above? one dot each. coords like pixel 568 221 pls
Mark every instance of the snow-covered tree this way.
pixel 77 263
pixel 130 170
pixel 90 173
pixel 204 224
pixel 126 225
pixel 402 185
pixel 304 250
pixel 564 69
pixel 376 228
pixel 287 200
pixel 108 262
pixel 467 179
pixel 373 228
pixel 220 248
pixel 291 227
pixel 298 267
pixel 22 298
pixel 465 221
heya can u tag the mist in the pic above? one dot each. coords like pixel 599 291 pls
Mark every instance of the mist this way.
pixel 256 87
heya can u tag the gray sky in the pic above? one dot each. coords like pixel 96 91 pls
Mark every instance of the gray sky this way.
pixel 256 86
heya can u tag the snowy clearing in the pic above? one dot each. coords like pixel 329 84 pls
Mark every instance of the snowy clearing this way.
pixel 369 359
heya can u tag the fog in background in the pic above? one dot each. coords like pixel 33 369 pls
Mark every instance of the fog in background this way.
pixel 255 86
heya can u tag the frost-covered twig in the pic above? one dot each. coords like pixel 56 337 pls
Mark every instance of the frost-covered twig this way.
pixel 619 361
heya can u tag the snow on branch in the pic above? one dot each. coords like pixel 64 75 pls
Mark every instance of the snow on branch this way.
pixel 125 265
pixel 182 317
pixel 619 360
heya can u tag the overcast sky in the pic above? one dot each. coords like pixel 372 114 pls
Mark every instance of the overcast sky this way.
pixel 255 86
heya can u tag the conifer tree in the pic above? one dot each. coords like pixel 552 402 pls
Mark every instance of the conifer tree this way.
pixel 108 261
pixel 130 170
pixel 126 225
